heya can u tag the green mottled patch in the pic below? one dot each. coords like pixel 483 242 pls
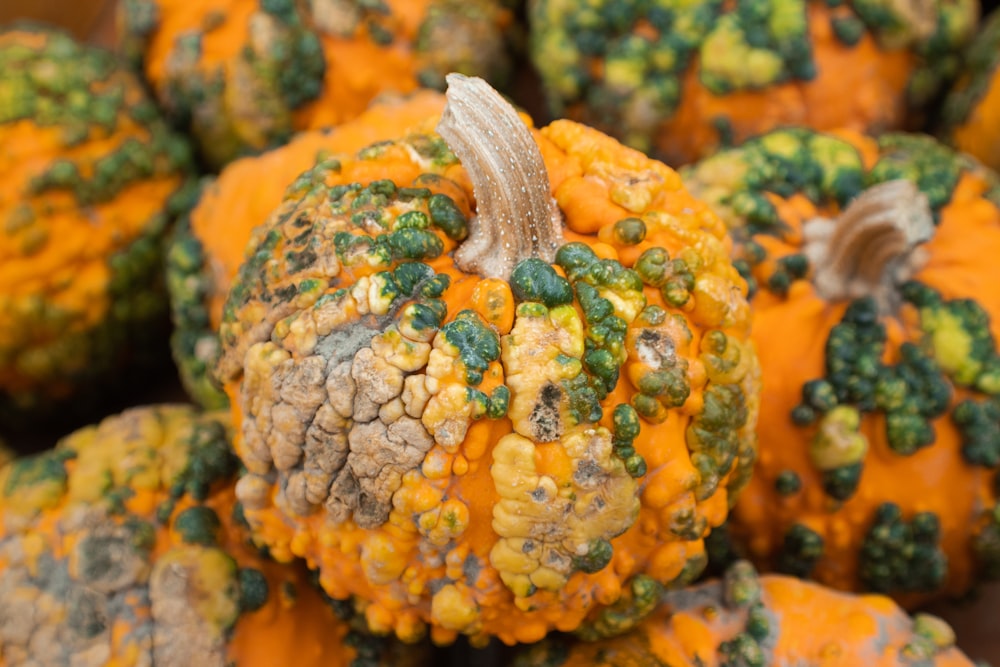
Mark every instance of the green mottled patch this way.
pixel 956 334
pixel 911 393
pixel 193 341
pixel 900 556
pixel 447 217
pixel 666 386
pixel 625 61
pixel 784 162
pixel 532 280
pixel 639 598
pixel 929 164
pixel 714 435
pixel 43 475
pixel 597 557
pixel 979 67
pixel 610 296
pixel 477 343
pixel 978 422
pixel 85 93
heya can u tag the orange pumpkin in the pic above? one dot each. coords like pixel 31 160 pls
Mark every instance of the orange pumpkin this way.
pixel 876 319
pixel 971 114
pixel 681 81
pixel 124 545
pixel 206 249
pixel 90 177
pixel 490 389
pixel 746 620
pixel 243 75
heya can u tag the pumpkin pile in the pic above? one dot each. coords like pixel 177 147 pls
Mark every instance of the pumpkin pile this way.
pixel 458 378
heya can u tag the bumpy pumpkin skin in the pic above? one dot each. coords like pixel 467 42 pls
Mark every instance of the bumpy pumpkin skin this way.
pixel 90 178
pixel 124 545
pixel 971 113
pixel 879 451
pixel 773 620
pixel 243 75
pixel 681 82
pixel 474 461
pixel 207 247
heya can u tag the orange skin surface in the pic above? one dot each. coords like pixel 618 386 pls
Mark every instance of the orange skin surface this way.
pixel 979 135
pixel 54 270
pixel 859 87
pixel 394 567
pixel 791 333
pixel 248 189
pixel 815 626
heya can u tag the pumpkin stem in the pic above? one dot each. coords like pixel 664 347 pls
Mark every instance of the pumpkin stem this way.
pixel 516 216
pixel 872 246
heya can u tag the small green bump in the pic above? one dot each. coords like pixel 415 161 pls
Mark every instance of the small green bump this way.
pixel 629 231
pixel 801 549
pixel 741 585
pixel 533 280
pixel 446 216
pixel 198 525
pixel 597 557
pixel 499 402
pixel 787 483
pixel 635 465
pixel 742 651
pixel 412 220
pixel 758 622
pixel 477 343
pixel 820 395
pixel 253 589
pixel 654 267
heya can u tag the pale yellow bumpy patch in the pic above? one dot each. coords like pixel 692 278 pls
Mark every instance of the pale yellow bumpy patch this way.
pixel 541 351
pixel 545 520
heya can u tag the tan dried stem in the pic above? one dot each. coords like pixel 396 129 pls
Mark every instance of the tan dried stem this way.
pixel 516 216
pixel 872 246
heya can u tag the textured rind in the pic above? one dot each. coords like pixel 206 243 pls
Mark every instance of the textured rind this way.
pixel 748 620
pixel 206 247
pixel 866 398
pixel 244 76
pixel 124 545
pixel 93 178
pixel 415 431
pixel 680 80
pixel 970 114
